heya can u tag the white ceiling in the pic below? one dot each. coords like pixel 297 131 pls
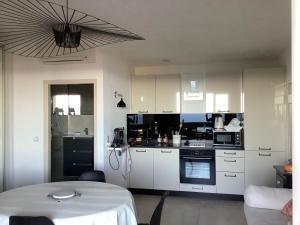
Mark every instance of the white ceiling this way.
pixel 196 31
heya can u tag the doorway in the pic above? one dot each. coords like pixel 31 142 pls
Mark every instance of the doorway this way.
pixel 71 108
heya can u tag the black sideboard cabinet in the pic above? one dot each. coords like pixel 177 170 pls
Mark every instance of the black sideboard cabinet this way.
pixel 78 155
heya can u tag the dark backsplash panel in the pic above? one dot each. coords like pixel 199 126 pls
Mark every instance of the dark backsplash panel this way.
pixel 195 125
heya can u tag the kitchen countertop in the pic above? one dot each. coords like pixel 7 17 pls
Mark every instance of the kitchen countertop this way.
pixel 186 147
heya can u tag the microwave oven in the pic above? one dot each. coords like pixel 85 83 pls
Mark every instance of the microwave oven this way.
pixel 228 138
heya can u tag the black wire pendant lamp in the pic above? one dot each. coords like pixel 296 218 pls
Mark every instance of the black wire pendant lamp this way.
pixel 38 28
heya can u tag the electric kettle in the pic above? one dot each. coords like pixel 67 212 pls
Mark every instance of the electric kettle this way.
pixel 219 122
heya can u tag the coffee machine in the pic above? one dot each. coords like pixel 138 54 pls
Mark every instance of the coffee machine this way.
pixel 118 137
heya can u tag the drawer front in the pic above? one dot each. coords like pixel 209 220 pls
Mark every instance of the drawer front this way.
pixel 230 183
pixel 77 143
pixel 76 169
pixel 79 156
pixel 230 153
pixel 224 164
pixel 198 188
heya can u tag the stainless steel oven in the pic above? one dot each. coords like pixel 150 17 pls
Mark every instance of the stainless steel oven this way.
pixel 197 166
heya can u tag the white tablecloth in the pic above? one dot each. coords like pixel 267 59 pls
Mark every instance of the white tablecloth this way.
pixel 99 204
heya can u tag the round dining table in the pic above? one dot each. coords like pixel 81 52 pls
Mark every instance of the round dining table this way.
pixel 96 204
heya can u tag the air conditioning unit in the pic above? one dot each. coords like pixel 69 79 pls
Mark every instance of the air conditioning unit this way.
pixel 82 57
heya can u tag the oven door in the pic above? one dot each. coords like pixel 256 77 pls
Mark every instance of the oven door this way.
pixel 197 170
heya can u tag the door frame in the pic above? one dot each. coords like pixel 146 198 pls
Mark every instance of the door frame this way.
pixel 47 120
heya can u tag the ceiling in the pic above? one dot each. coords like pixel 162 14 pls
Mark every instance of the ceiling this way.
pixel 196 31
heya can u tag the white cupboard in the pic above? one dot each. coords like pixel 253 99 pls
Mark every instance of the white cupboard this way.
pixel 192 93
pixel 141 174
pixel 143 94
pixel 166 169
pixel 230 183
pixel 168 94
pixel 265 110
pixel 230 171
pixel 223 92
pixel 259 167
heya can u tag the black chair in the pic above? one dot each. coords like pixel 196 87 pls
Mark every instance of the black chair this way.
pixel 95 175
pixel 29 220
pixel 156 216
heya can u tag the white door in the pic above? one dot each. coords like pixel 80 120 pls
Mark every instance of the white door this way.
pixel 265 110
pixel 259 167
pixel 168 94
pixel 141 174
pixel 143 94
pixel 223 92
pixel 192 93
pixel 166 169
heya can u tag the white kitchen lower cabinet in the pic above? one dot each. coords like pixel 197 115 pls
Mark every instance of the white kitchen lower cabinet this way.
pixel 226 164
pixel 166 169
pixel 230 183
pixel 141 174
pixel 198 188
pixel 259 167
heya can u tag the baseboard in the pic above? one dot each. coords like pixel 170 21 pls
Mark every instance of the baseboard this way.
pixel 189 194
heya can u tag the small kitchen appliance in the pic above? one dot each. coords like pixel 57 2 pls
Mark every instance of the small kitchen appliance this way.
pixel 228 138
pixel 118 137
pixel 219 125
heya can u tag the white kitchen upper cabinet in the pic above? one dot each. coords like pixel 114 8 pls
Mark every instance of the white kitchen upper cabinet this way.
pixel 166 169
pixel 143 94
pixel 259 167
pixel 223 92
pixel 192 93
pixel 168 94
pixel 265 109
pixel 141 174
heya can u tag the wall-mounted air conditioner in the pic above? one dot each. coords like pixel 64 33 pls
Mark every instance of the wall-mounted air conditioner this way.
pixel 82 57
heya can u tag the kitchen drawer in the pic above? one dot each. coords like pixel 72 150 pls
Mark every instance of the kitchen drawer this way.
pixel 198 188
pixel 230 153
pixel 76 169
pixel 78 143
pixel 230 183
pixel 224 164
pixel 81 156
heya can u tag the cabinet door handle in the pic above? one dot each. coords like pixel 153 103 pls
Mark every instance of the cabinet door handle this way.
pixel 82 164
pixel 140 150
pixel 197 188
pixel 162 151
pixel 226 175
pixel 229 153
pixel 224 111
pixel 226 160
pixel 260 154
pixel 261 148
pixel 143 111
pixel 167 111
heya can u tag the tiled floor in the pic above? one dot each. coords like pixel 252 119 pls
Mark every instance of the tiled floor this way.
pixel 191 211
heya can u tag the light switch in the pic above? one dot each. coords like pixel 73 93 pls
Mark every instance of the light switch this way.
pixel 36 139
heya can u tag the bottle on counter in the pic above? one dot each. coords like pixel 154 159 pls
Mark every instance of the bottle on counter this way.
pixel 166 140
pixel 159 139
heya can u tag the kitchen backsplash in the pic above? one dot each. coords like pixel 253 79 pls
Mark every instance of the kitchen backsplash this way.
pixel 194 126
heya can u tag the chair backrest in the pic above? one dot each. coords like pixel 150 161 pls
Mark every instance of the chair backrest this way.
pixel 95 175
pixel 29 220
pixel 156 216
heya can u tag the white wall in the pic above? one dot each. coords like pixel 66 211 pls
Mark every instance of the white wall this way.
pixel 1 122
pixel 26 161
pixel 116 78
